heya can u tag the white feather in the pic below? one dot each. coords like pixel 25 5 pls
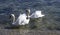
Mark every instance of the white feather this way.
pixel 37 14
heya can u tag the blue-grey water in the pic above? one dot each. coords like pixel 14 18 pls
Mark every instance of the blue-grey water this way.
pixel 51 9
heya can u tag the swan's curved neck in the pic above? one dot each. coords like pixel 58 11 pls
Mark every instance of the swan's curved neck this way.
pixel 13 17
pixel 28 13
pixel 28 16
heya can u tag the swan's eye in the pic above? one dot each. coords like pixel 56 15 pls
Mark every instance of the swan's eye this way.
pixel 27 18
pixel 10 17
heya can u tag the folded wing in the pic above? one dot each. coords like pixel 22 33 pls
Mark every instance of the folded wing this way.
pixel 36 14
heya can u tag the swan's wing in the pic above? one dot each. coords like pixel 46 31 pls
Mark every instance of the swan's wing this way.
pixel 26 21
pixel 22 20
pixel 36 14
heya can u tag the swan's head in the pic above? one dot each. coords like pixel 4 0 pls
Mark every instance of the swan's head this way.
pixel 12 15
pixel 28 12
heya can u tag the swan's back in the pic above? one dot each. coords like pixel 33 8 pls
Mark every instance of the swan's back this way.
pixel 37 14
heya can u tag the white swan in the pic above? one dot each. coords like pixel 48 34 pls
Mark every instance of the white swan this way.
pixel 22 19
pixel 37 14
pixel 25 17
